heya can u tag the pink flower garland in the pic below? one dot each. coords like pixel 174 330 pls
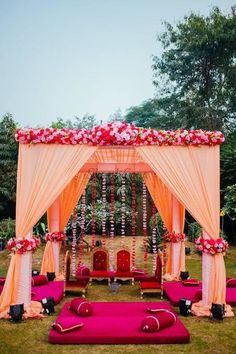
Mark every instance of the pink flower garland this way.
pixel 56 236
pixel 174 237
pixel 211 246
pixel 20 246
pixel 118 133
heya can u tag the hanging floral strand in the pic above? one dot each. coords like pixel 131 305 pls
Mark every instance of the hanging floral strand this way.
pixel 74 243
pixel 145 254
pixel 123 179
pixel 82 227
pixel 104 212
pixel 112 224
pixel 154 239
pixel 93 221
pixel 133 229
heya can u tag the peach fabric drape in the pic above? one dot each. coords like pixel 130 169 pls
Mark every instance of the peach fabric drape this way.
pixel 67 201
pixel 161 196
pixel 192 174
pixel 43 173
pixel 9 292
pixel 163 199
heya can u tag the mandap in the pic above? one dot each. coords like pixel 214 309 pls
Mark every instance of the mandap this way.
pixel 180 169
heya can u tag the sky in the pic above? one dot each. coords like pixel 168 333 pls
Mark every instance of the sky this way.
pixel 66 58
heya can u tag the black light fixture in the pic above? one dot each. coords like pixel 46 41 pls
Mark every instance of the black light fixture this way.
pixel 48 305
pixel 185 307
pixel 16 312
pixel 187 251
pixel 218 311
pixel 35 272
pixel 51 276
pixel 184 275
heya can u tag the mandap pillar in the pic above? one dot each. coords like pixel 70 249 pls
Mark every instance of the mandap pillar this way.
pixel 176 246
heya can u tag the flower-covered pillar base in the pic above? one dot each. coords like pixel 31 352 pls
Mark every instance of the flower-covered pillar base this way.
pixel 176 246
pixel 23 295
pixel 54 227
pixel 207 260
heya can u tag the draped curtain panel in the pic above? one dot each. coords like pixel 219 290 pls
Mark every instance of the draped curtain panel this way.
pixel 193 175
pixel 163 199
pixel 67 201
pixel 43 173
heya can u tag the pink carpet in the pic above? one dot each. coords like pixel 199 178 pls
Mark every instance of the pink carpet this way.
pixel 54 289
pixel 176 290
pixel 231 296
pixel 118 323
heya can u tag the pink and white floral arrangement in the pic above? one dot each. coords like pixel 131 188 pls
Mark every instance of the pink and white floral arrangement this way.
pixel 174 237
pixel 118 133
pixel 55 236
pixel 211 246
pixel 21 246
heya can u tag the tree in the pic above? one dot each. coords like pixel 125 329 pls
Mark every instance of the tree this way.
pixel 161 113
pixel 87 121
pixel 228 161
pixel 197 70
pixel 8 165
pixel 116 116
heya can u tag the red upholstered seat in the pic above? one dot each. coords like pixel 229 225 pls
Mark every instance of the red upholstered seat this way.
pixel 153 284
pixel 123 265
pixel 150 285
pixel 101 273
pixel 100 263
pixel 100 260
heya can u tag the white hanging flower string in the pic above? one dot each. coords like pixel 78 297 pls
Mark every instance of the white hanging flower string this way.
pixel 104 212
pixel 123 180
pixel 82 227
pixel 145 254
pixel 74 243
pixel 154 242
pixel 112 224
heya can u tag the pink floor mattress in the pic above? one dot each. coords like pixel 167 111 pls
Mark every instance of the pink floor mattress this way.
pixel 54 289
pixel 176 291
pixel 118 323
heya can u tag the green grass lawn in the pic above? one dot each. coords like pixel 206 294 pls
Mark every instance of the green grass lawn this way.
pixel 207 336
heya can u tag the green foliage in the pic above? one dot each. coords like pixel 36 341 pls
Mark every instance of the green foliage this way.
pixel 193 231
pixel 196 73
pixel 8 165
pixel 228 161
pixel 230 201
pixel 7 228
pixel 85 122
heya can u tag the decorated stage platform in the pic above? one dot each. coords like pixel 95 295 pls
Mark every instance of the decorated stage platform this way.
pixel 118 323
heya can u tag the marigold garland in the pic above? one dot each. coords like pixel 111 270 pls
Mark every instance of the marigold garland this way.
pixel 56 236
pixel 118 133
pixel 21 246
pixel 211 246
pixel 174 237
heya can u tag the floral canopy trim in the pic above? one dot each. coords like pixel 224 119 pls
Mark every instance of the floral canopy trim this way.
pixel 118 133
